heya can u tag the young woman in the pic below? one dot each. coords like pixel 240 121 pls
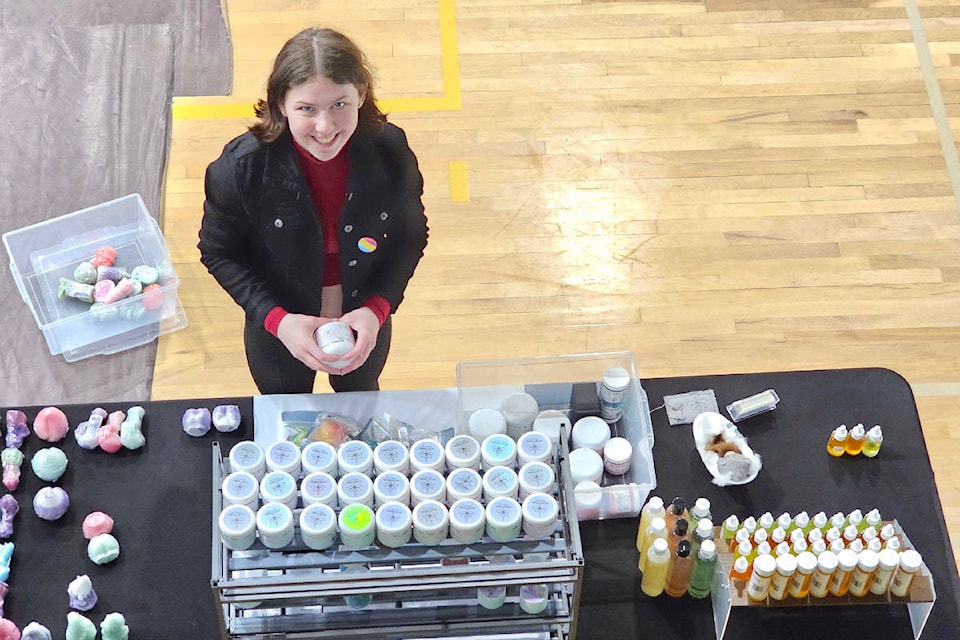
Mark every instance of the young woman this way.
pixel 314 216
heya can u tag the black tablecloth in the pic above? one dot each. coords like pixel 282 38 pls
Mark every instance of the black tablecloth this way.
pixel 160 497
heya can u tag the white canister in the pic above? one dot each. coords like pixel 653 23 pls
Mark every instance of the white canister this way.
pixel 355 456
pixel 241 487
pixel 519 410
pixel 427 485
pixel 279 486
pixel 504 519
pixel 391 486
pixel 319 488
pixel 319 456
pixel 284 456
pixel 534 446
pixel 467 521
pixel 358 527
pixel 391 455
pixel 500 481
pixel 533 598
pixel 540 514
pixel 550 423
pixel 590 432
pixel 612 389
pixel 336 339
pixel 588 496
pixel 318 526
pixel 394 524
pixel 536 477
pixel 486 422
pixel 430 523
pixel 491 597
pixel 463 483
pixel 355 488
pixel 617 456
pixel 248 456
pixel 463 452
pixel 427 454
pixel 585 464
pixel 498 450
pixel 275 524
pixel 238 527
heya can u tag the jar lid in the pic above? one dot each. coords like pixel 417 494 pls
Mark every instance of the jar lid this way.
pixel 764 564
pixel 540 509
pixel 551 422
pixel 888 559
pixel 500 481
pixel 427 454
pixel 585 464
pixel 536 477
pixel 620 451
pixel 318 487
pixel 355 487
pixel 355 455
pixel 467 513
pixel 319 456
pixel 588 494
pixel 394 517
pixel 463 483
pixel 590 432
pixel 430 516
pixel 616 378
pixel 356 518
pixel 504 512
pixel 462 451
pixel 786 563
pixel 486 422
pixel 278 486
pixel 428 485
pixel 274 517
pixel 847 559
pixel 237 520
pixel 391 455
pixel 534 446
pixel 283 456
pixel 828 561
pixel 910 560
pixel 391 487
pixel 868 560
pixel 806 562
pixel 240 486
pixel 318 520
pixel 519 409
pixel 499 450
pixel 247 456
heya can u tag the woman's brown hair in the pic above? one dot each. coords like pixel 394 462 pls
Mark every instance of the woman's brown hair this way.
pixel 312 53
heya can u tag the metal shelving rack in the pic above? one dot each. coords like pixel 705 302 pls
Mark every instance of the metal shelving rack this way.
pixel 413 591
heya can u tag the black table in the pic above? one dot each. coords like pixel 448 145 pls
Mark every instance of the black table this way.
pixel 160 497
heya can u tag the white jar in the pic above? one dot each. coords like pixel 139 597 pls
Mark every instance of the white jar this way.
pixel 540 514
pixel 248 456
pixel 275 524
pixel 463 483
pixel 427 454
pixel 336 339
pixel 391 455
pixel 467 521
pixel 357 525
pixel 617 456
pixel 394 524
pixel 500 481
pixel 279 486
pixel 238 527
pixel 462 452
pixel 319 456
pixel 613 386
pixel 391 486
pixel 519 410
pixel 430 523
pixel 355 456
pixel 498 450
pixel 486 422
pixel 319 488
pixel 550 423
pixel 355 488
pixel 536 477
pixel 588 497
pixel 534 446
pixel 533 598
pixel 318 526
pixel 427 485
pixel 504 519
pixel 284 456
pixel 585 464
pixel 590 432
pixel 241 487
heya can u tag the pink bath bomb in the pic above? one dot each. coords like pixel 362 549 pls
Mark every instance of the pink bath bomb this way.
pixel 96 523
pixel 50 424
pixel 8 630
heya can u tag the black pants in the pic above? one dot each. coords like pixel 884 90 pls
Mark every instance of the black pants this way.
pixel 275 370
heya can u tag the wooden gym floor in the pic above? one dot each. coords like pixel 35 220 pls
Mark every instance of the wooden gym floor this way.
pixel 717 186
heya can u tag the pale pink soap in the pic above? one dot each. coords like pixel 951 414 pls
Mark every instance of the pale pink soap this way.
pixel 96 523
pixel 50 424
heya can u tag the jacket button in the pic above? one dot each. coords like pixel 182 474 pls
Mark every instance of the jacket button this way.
pixel 384 215
pixel 354 293
pixel 350 195
pixel 278 223
pixel 348 228
pixel 352 263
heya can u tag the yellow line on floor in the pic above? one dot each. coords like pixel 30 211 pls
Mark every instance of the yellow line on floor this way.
pixel 459 189
pixel 449 101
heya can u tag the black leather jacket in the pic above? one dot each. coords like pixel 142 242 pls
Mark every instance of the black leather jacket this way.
pixel 261 238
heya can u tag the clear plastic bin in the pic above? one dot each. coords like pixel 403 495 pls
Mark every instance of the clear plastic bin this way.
pixel 42 253
pixel 486 383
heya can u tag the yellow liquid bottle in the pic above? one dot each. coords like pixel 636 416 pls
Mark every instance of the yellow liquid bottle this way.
pixel 855 440
pixel 871 445
pixel 653 509
pixel 840 581
pixel 657 529
pixel 730 526
pixel 820 582
pixel 866 566
pixel 763 569
pixel 800 582
pixel 837 444
pixel 655 568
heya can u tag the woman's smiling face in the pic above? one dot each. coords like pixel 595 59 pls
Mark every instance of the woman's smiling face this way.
pixel 322 115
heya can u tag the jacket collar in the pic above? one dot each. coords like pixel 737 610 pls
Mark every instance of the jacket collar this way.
pixel 283 168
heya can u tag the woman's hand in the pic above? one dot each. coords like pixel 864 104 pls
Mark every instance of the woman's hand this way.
pixel 296 332
pixel 365 324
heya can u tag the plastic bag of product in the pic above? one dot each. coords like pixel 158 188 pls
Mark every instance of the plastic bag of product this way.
pixel 303 427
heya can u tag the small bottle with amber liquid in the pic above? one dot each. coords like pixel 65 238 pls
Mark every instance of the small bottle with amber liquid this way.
pixel 837 444
pixel 678 575
pixel 800 582
pixel 840 581
pixel 855 440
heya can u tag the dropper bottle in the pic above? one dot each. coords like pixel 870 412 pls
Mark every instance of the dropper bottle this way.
pixel 871 445
pixel 836 445
pixel 855 441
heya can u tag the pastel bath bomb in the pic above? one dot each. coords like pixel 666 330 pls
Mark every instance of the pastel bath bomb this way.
pixel 80 627
pixel 114 627
pixel 196 422
pixel 50 503
pixel 8 630
pixel 103 549
pixel 95 524
pixel 49 464
pixel 36 631
pixel 50 424
pixel 81 594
